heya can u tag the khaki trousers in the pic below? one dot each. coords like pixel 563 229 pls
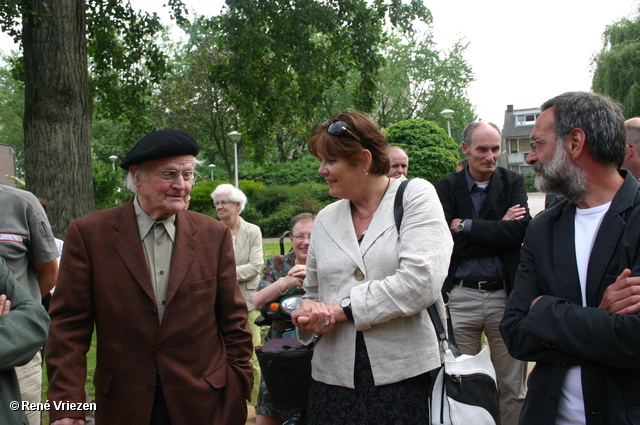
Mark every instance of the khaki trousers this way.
pixel 472 312
pixel 257 375
pixel 30 380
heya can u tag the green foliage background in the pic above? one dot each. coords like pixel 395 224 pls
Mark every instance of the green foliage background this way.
pixel 432 153
pixel 617 65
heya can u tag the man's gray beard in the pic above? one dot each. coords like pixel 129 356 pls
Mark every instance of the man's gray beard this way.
pixel 559 176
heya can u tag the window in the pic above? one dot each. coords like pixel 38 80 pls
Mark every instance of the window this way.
pixel 528 119
pixel 513 146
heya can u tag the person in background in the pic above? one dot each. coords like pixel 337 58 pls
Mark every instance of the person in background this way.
pixel 574 308
pixel 247 244
pixel 24 325
pixel 632 158
pixel 399 162
pixel 368 285
pixel 462 164
pixel 486 208
pixel 158 285
pixel 28 246
pixel 283 275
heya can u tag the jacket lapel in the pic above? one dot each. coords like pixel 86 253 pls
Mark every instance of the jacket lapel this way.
pixel 184 251
pixel 564 255
pixel 241 238
pixel 343 232
pixel 461 193
pixel 495 189
pixel 383 217
pixel 127 242
pixel 604 247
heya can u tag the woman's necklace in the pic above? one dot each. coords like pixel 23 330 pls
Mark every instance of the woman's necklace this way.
pixel 371 215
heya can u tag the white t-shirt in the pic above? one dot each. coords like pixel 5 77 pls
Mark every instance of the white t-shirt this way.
pixel 587 223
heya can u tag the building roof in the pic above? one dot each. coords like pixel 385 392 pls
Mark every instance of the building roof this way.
pixel 510 129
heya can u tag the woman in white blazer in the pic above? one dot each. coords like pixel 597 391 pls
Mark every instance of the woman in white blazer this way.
pixel 247 243
pixel 368 287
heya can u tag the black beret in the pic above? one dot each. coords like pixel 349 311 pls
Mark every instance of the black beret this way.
pixel 161 144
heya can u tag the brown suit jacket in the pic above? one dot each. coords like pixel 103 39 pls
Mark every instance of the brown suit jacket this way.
pixel 201 350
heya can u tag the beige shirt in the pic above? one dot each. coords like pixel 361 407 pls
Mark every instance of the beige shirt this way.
pixel 157 242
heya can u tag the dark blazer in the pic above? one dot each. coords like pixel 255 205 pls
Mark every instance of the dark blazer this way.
pixel 201 350
pixel 22 332
pixel 490 234
pixel 559 332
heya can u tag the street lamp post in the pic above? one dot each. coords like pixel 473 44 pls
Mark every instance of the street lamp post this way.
pixel 113 158
pixel 447 114
pixel 211 167
pixel 235 137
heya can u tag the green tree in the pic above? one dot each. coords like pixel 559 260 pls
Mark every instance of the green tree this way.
pixel 432 153
pixel 281 58
pixel 290 173
pixel 617 65
pixel 419 81
pixel 58 104
pixel 11 113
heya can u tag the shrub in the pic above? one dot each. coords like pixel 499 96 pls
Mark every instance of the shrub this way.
pixel 432 154
pixel 529 182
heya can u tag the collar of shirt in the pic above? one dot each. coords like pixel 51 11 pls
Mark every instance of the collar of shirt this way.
pixel 471 183
pixel 146 223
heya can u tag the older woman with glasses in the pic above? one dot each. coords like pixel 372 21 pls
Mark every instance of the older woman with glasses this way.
pixel 368 285
pixel 247 242
pixel 283 275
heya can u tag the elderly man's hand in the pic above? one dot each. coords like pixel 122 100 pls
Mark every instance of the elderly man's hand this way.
pixel 623 297
pixel 5 304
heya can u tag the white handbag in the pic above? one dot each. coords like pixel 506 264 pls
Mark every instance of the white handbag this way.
pixel 464 389
pixel 465 392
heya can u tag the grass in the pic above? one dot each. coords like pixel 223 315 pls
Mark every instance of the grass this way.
pixel 273 248
pixel 269 250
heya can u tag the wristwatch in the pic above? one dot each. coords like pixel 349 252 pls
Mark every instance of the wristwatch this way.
pixel 461 226
pixel 346 307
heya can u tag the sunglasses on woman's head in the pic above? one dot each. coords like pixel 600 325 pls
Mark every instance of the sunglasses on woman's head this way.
pixel 340 128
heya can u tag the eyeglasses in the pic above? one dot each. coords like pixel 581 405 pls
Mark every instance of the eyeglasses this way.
pixel 534 148
pixel 171 175
pixel 301 237
pixel 223 203
pixel 340 128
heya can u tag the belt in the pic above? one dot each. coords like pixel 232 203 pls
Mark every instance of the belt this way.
pixel 483 285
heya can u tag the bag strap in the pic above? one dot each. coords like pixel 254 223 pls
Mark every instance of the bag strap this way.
pixel 398 206
pixel 398 212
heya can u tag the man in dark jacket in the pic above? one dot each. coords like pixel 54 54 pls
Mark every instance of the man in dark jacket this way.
pixel 572 310
pixel 486 208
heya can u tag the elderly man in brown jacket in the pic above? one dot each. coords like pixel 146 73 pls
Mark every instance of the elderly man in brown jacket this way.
pixel 158 282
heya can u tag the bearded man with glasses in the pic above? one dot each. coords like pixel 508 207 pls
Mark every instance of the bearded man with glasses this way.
pixel 158 283
pixel 574 308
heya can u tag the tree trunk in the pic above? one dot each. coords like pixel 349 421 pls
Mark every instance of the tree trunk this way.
pixel 57 119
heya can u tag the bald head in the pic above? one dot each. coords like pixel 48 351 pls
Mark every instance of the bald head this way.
pixel 632 159
pixel 399 162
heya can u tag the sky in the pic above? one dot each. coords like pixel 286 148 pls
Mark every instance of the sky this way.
pixel 522 52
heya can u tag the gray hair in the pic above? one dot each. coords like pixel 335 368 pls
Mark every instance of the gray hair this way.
pixel 467 134
pixel 234 195
pixel 600 117
pixel 128 179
